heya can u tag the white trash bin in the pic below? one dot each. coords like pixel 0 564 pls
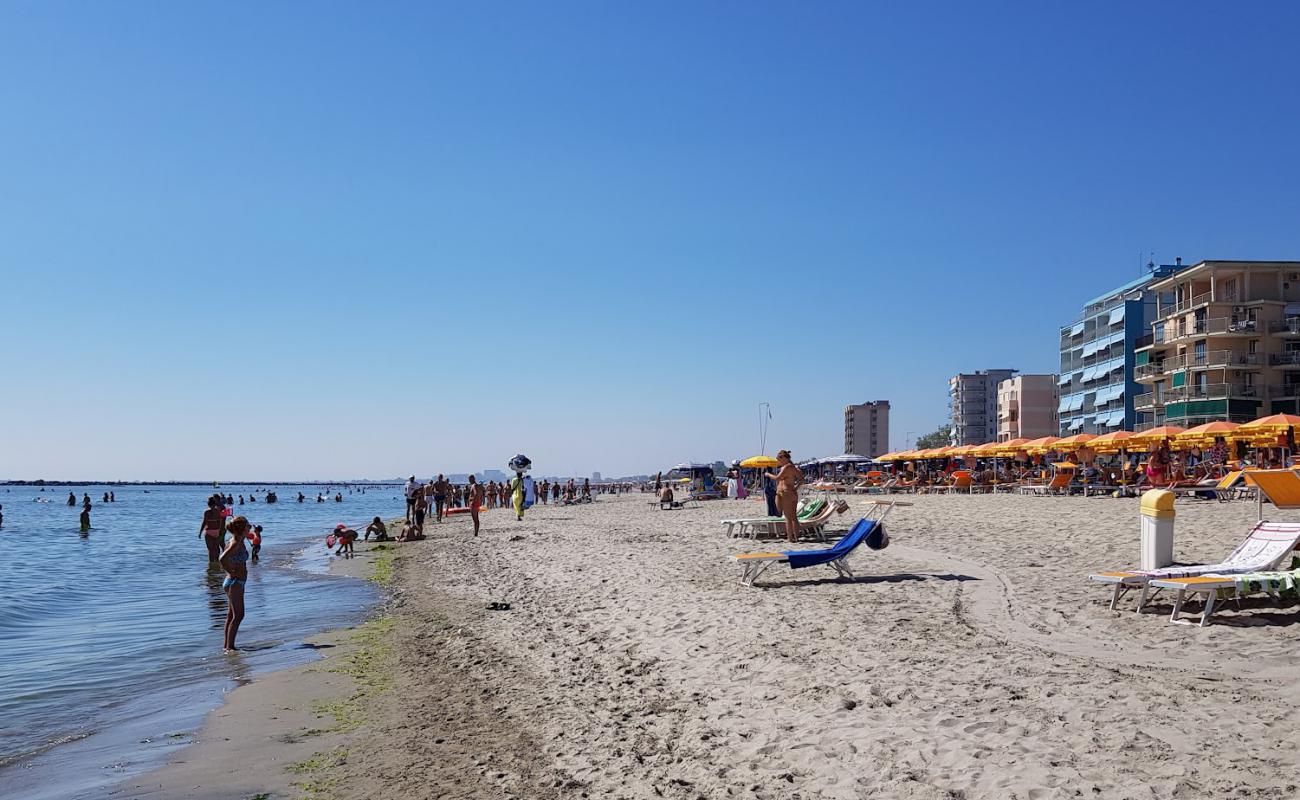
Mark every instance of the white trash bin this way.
pixel 1157 529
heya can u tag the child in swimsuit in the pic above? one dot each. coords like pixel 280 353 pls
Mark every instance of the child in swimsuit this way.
pixel 255 539
pixel 234 560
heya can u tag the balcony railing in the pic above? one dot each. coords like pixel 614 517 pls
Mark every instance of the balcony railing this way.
pixel 1186 304
pixel 1147 401
pixel 1290 325
pixel 1203 327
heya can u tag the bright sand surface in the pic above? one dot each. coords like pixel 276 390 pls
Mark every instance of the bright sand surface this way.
pixel 971 659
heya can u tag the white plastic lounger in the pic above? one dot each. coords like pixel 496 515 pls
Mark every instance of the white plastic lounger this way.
pixel 744 524
pixel 1271 583
pixel 869 529
pixel 1267 545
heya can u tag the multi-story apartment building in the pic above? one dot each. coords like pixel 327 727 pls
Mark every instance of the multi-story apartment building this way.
pixel 973 405
pixel 1224 344
pixel 866 428
pixel 1027 407
pixel 1097 385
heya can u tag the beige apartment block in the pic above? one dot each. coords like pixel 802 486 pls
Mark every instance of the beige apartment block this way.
pixel 866 428
pixel 1225 344
pixel 1027 407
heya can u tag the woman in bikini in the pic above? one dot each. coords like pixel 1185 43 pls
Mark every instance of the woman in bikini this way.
pixel 787 478
pixel 234 560
pixel 210 530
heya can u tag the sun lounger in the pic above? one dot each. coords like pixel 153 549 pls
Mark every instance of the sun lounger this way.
pixel 810 524
pixel 1059 485
pixel 1267 545
pixel 961 482
pixel 869 529
pixel 1271 583
pixel 806 508
pixel 1281 487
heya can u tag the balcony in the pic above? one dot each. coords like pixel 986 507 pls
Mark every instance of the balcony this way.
pixel 1148 372
pixel 1285 360
pixel 1147 402
pixel 1186 305
pixel 1170 332
pixel 1287 327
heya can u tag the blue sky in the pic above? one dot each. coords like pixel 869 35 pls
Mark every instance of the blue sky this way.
pixel 301 240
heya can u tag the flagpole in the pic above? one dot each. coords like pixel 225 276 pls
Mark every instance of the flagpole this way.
pixel 762 429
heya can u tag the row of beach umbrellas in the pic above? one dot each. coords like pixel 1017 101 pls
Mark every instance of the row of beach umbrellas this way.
pixel 1263 432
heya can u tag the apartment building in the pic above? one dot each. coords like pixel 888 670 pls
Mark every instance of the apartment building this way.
pixel 866 428
pixel 1224 344
pixel 1097 386
pixel 1027 407
pixel 973 405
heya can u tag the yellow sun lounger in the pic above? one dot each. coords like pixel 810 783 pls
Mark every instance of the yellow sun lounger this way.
pixel 1281 487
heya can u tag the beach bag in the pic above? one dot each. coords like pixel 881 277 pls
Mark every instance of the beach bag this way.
pixel 877 539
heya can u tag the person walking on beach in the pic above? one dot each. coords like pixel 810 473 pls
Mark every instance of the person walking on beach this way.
pixel 411 489
pixel 787 480
pixel 475 491
pixel 421 508
pixel 234 560
pixel 441 488
pixel 210 530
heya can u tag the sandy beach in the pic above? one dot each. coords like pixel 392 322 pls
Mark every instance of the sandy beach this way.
pixel 971 659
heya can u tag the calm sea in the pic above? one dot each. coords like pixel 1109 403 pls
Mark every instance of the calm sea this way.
pixel 110 641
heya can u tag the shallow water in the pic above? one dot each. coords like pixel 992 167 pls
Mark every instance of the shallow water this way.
pixel 119 630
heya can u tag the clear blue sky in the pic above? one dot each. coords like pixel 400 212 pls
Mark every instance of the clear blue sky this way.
pixel 296 240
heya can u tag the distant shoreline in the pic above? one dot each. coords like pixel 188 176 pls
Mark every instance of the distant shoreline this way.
pixel 201 483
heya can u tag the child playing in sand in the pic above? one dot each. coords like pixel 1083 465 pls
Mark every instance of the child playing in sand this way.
pixel 344 537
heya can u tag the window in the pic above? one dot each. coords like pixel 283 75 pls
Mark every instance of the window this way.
pixel 1253 347
pixel 1199 352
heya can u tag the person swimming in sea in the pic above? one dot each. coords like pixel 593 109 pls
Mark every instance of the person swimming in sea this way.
pixel 234 560
pixel 255 539
pixel 72 498
pixel 85 519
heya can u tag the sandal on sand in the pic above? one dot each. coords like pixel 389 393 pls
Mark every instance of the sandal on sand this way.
pixel 498 607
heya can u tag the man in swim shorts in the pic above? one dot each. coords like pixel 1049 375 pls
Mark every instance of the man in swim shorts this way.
pixel 441 488
pixel 411 489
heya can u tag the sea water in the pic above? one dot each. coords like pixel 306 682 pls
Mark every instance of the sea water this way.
pixel 110 640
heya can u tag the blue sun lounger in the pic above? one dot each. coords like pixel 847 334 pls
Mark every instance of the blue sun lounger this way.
pixel 871 531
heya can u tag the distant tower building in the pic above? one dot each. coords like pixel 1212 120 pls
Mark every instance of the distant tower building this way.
pixel 973 404
pixel 595 476
pixel 1027 407
pixel 866 429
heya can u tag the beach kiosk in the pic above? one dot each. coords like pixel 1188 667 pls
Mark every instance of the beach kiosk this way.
pixel 703 481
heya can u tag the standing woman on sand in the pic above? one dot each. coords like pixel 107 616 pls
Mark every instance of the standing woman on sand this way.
pixel 787 478
pixel 475 497
pixel 210 530
pixel 234 560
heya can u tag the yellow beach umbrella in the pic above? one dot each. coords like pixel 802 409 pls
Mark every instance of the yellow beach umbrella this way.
pixel 1076 440
pixel 1273 423
pixel 1159 434
pixel 1042 444
pixel 758 461
pixel 1207 432
pixel 1114 441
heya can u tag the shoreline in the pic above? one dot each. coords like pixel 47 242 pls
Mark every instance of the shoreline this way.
pixel 270 737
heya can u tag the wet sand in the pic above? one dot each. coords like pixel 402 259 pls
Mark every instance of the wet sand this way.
pixel 971 659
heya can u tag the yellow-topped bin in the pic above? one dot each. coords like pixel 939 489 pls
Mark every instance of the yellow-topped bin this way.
pixel 1158 503
pixel 1157 529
